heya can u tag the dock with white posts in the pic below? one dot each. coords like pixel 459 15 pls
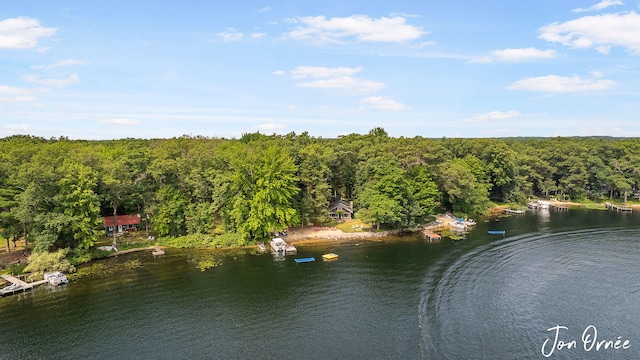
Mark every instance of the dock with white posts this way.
pixel 18 285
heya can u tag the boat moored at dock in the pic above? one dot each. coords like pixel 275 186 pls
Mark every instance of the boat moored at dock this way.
pixel 56 278
pixel 278 245
pixel 18 285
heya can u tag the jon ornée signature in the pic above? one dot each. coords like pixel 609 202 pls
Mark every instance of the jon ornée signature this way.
pixel 589 341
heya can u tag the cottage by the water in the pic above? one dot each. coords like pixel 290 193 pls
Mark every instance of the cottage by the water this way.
pixel 121 223
pixel 340 210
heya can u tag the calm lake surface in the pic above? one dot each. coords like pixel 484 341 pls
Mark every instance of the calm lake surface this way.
pixel 484 297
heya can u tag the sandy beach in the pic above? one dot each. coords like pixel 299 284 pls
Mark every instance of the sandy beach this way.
pixel 317 235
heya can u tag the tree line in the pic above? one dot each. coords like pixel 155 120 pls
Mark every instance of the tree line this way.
pixel 55 192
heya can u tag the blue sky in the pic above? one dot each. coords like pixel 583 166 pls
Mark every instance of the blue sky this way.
pixel 460 68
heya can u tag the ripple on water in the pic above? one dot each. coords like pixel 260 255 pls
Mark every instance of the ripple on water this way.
pixel 499 300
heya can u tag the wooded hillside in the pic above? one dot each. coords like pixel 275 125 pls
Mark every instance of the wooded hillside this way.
pixel 57 190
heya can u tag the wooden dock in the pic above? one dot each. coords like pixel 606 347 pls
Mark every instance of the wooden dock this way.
pixel 558 206
pixel 433 237
pixel 157 251
pixel 18 285
pixel 618 207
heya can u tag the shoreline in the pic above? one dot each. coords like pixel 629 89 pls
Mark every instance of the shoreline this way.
pixel 326 236
pixel 316 236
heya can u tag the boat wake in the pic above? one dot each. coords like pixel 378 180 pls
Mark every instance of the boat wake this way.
pixel 498 300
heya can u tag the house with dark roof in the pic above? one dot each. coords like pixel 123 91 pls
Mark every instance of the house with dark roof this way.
pixel 122 223
pixel 340 210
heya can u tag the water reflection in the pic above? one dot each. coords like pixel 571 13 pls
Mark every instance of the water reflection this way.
pixel 480 297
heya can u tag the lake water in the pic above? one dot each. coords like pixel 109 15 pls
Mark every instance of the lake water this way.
pixel 484 297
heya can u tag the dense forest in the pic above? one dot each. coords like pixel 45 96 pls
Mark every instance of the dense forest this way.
pixel 56 191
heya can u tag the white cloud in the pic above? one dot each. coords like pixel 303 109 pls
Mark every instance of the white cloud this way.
pixel 599 31
pixel 323 72
pixel 20 98
pixel 13 129
pixel 22 33
pixel 599 6
pixel 17 127
pixel 346 83
pixel 271 127
pixel 561 84
pixel 361 27
pixel 517 55
pixel 231 35
pixel 62 82
pixel 120 121
pixel 384 103
pixel 279 72
pixel 494 116
pixel 608 131
pixel 61 63
pixel 333 78
pixel 257 35
pixel 264 9
pixel 14 94
pixel 9 90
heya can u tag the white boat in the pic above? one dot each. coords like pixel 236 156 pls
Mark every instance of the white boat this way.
pixel 11 289
pixel 539 204
pixel 544 204
pixel 56 278
pixel 278 246
pixel 457 225
pixel 261 247
pixel 511 211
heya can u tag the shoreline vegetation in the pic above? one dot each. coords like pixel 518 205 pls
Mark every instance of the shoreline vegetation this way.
pixel 59 196
pixel 326 236
pixel 307 236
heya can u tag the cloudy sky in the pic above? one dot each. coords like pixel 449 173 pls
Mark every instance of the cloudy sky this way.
pixel 459 68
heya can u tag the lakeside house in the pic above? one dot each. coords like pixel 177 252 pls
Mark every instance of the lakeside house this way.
pixel 122 223
pixel 340 210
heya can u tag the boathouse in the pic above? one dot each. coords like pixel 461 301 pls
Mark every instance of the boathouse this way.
pixel 122 223
pixel 340 210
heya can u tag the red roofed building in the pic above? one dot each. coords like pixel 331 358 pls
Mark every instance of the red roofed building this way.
pixel 123 223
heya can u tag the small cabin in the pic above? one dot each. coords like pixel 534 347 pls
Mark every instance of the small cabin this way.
pixel 340 210
pixel 121 223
